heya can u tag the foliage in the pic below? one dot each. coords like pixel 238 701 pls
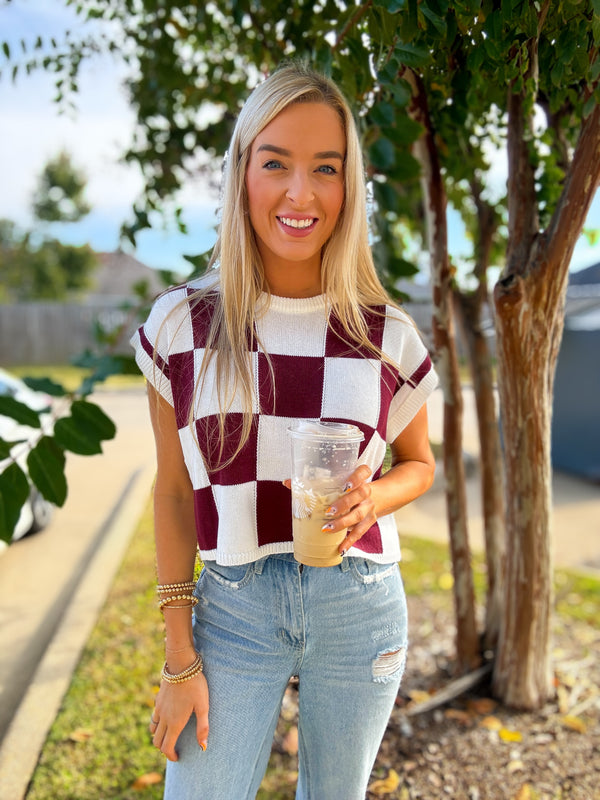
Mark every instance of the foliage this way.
pixel 59 195
pixel 465 62
pixel 37 268
pixel 80 426
pixel 34 266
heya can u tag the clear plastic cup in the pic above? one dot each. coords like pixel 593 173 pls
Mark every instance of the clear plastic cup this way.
pixel 324 455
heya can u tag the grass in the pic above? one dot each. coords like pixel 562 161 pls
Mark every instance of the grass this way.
pixel 99 746
pixel 70 377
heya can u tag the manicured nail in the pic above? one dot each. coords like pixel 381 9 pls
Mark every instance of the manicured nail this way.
pixel 347 487
pixel 343 553
pixel 327 527
pixel 331 511
pixel 203 746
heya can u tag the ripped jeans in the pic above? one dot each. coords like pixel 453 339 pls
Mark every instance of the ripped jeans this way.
pixel 342 630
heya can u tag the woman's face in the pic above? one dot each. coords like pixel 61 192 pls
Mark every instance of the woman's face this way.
pixel 295 185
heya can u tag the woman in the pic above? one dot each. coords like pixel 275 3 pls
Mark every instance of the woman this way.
pixel 292 323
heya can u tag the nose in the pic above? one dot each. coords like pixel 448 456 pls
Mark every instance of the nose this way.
pixel 300 190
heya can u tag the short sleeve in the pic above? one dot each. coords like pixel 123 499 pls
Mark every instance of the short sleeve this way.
pixel 151 345
pixel 417 377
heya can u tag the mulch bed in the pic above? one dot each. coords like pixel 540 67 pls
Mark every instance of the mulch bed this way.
pixel 472 748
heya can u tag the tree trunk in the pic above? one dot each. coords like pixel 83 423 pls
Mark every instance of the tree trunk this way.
pixel 492 488
pixel 470 307
pixel 529 301
pixel 467 643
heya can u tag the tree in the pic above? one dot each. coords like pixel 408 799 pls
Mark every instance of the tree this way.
pixel 34 266
pixel 433 79
pixel 41 269
pixel 59 195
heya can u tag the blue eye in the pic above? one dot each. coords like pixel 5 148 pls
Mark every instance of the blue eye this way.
pixel 327 169
pixel 272 164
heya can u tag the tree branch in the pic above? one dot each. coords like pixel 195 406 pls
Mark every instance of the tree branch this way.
pixel 354 19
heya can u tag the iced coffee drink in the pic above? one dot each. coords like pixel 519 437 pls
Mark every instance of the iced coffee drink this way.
pixel 324 455
pixel 312 545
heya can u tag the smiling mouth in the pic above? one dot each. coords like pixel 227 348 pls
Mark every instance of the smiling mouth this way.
pixel 298 224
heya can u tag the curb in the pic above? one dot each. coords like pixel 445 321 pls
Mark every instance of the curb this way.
pixel 25 738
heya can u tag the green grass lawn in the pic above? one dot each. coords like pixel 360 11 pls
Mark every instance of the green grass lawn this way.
pixel 99 747
pixel 70 377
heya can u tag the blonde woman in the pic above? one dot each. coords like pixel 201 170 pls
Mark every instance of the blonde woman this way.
pixel 290 322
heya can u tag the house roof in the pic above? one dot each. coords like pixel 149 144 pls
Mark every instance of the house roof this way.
pixel 117 273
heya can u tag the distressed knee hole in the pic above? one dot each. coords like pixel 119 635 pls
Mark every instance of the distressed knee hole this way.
pixel 388 665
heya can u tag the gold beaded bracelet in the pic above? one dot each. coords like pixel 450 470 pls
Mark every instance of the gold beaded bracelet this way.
pixel 164 601
pixel 173 587
pixel 195 668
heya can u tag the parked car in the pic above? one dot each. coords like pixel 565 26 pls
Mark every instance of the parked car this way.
pixel 37 511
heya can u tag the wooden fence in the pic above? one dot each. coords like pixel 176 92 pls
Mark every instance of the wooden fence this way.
pixel 54 333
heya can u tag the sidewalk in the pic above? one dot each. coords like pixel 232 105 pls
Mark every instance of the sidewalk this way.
pixel 53 584
pixel 576 502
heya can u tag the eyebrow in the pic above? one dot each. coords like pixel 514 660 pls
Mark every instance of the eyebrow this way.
pixel 273 148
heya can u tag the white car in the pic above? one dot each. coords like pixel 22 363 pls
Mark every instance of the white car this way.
pixel 37 511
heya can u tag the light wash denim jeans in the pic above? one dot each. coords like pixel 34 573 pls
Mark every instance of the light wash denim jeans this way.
pixel 342 630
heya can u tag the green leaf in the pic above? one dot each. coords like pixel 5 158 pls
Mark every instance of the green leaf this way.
pixel 6 49
pixel 46 464
pixel 6 447
pixel 412 55
pixel 437 22
pixel 73 436
pixel 94 418
pixel 9 407
pixel 382 114
pixel 405 132
pixel 46 385
pixel 382 154
pixel 14 491
pixel 406 167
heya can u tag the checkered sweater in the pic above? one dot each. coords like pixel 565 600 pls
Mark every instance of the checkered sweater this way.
pixel 242 510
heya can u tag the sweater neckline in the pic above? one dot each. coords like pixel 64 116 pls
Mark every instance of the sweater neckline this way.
pixel 293 305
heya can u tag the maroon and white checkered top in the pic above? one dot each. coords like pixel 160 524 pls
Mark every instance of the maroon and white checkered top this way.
pixel 242 510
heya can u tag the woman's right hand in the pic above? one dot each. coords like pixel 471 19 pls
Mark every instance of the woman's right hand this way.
pixel 175 703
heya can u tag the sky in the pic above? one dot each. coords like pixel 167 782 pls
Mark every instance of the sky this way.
pixel 96 135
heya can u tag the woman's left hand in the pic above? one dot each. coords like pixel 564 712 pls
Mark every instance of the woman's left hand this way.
pixel 354 509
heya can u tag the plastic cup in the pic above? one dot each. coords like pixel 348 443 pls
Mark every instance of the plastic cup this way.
pixel 324 455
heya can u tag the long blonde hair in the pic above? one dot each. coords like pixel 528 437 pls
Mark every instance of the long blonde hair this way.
pixel 348 276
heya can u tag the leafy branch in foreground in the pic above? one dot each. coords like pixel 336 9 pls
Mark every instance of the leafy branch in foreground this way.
pixel 70 423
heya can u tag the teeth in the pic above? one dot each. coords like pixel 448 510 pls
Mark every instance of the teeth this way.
pixel 297 223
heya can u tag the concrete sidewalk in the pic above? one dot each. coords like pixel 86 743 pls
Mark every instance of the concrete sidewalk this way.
pixel 576 502
pixel 53 585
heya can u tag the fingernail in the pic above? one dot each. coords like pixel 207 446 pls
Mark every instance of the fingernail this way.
pixel 331 511
pixel 347 487
pixel 327 527
pixel 203 746
pixel 343 553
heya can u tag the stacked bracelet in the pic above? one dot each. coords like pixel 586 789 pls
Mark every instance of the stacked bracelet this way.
pixel 165 602
pixel 187 674
pixel 173 587
pixel 171 592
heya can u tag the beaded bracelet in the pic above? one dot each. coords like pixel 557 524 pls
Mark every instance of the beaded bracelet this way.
pixel 164 601
pixel 173 587
pixel 195 668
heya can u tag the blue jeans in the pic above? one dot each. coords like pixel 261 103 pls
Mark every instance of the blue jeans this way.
pixel 342 630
